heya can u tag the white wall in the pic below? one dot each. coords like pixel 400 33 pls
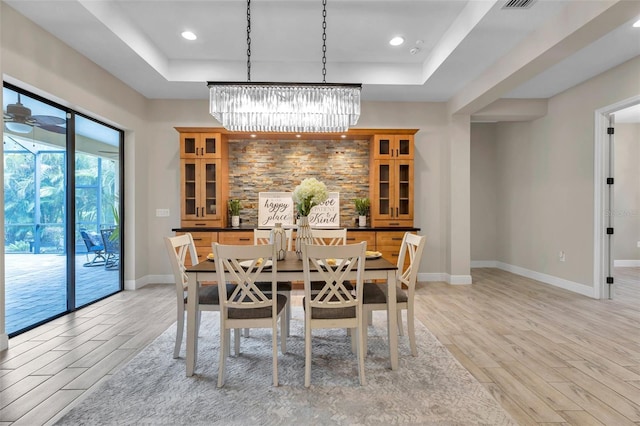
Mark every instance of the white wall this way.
pixel 545 183
pixel 484 183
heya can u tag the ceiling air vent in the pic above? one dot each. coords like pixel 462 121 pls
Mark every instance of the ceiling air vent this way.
pixel 518 4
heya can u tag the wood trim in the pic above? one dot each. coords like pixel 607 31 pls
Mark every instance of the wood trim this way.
pixel 350 134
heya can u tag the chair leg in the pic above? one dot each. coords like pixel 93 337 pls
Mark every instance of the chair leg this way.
pixel 274 351
pixel 365 332
pixel 224 347
pixel 179 332
pixel 288 314
pixel 283 332
pixel 236 338
pixel 307 354
pixel 361 333
pixel 370 317
pixel 411 331
pixel 246 332
pixel 354 340
pixel 400 328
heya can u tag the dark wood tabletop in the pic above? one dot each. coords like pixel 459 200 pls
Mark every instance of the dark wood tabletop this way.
pixel 292 264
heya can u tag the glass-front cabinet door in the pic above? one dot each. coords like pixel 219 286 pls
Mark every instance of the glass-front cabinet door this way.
pixel 200 145
pixel 201 193
pixel 392 147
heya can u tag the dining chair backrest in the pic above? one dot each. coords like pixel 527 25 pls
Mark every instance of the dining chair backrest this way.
pixel 178 248
pixel 412 247
pixel 329 237
pixel 333 264
pixel 241 265
pixel 263 236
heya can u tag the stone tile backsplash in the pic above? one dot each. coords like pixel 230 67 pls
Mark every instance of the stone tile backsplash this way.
pixel 279 166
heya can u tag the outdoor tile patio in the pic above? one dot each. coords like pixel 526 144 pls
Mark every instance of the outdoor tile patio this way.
pixel 35 286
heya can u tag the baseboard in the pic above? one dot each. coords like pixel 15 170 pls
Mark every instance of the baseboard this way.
pixel 459 279
pixel 148 279
pixel 4 342
pixel 631 263
pixel 549 279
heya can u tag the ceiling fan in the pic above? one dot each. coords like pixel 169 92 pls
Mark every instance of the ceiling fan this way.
pixel 18 119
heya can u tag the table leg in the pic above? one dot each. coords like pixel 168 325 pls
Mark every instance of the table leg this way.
pixel 192 339
pixel 392 319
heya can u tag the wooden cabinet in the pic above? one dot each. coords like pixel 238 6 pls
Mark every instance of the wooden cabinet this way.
pixel 203 180
pixel 236 237
pixel 203 242
pixel 200 145
pixel 354 237
pixel 391 181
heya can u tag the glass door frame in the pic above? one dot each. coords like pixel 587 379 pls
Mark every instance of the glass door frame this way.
pixel 70 205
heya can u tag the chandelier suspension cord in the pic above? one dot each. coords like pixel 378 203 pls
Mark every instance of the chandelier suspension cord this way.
pixel 248 40
pixel 324 41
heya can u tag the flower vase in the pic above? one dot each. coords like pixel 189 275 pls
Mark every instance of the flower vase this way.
pixel 278 237
pixel 235 221
pixel 362 221
pixel 303 235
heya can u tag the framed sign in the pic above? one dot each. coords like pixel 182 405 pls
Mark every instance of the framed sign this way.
pixel 327 214
pixel 275 207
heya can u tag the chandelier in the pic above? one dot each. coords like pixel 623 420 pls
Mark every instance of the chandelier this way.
pixel 285 107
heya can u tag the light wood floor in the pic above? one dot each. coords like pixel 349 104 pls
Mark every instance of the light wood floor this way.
pixel 547 355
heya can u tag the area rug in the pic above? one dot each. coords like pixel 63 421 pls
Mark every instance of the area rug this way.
pixel 430 389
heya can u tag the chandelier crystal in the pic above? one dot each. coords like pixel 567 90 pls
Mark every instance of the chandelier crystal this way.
pixel 285 107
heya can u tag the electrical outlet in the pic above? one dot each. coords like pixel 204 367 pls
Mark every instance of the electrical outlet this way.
pixel 162 212
pixel 561 256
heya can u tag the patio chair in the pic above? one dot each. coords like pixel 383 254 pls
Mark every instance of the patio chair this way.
pixel 111 249
pixel 95 247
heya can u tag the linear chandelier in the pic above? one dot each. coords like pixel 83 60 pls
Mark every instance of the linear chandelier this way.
pixel 285 107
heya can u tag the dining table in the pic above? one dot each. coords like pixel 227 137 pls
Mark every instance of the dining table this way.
pixel 290 269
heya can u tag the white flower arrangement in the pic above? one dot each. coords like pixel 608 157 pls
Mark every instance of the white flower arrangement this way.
pixel 309 193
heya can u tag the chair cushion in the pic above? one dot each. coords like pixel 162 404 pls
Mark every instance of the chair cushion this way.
pixel 208 294
pixel 375 294
pixel 253 313
pixel 331 313
pixel 282 286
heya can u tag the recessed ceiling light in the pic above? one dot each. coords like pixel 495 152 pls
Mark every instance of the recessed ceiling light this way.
pixel 298 136
pixel 396 41
pixel 189 35
pixel 637 24
pixel 253 135
pixel 343 136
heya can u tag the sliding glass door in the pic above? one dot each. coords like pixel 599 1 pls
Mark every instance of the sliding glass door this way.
pixel 97 207
pixel 62 180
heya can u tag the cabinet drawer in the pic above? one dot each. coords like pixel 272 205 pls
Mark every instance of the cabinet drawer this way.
pixel 208 223
pixel 204 239
pixel 236 238
pixel 389 238
pixel 354 237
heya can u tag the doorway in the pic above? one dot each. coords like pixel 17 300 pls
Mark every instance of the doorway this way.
pixel 62 180
pixel 617 195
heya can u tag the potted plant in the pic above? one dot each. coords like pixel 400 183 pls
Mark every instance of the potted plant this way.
pixel 362 207
pixel 234 210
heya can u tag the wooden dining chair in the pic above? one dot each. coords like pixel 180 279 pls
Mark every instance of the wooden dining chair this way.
pixel 262 236
pixel 334 305
pixel 178 248
pixel 375 295
pixel 245 305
